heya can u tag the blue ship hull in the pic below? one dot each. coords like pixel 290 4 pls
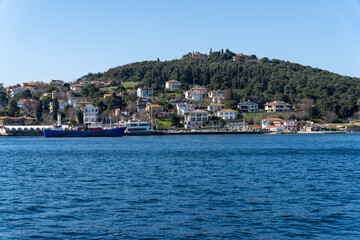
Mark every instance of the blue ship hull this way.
pixel 115 132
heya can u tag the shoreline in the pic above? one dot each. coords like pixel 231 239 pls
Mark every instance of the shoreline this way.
pixel 199 132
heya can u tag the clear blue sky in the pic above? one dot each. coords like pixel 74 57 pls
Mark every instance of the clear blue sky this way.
pixel 42 40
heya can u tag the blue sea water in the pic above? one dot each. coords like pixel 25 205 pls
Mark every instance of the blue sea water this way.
pixel 177 187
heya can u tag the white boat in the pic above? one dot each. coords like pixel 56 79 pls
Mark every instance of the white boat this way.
pixel 136 127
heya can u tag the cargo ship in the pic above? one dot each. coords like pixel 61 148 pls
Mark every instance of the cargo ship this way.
pixel 91 131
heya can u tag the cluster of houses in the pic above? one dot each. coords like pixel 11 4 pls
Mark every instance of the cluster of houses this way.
pixel 194 118
pixel 186 108
pixel 64 95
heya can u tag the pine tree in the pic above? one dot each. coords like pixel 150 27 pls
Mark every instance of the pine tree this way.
pixel 39 110
pixel 55 108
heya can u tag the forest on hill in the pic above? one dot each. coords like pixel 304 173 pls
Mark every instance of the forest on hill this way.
pixel 317 91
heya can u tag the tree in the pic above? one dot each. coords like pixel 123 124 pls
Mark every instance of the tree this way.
pixel 55 108
pixel 80 117
pixel 314 112
pixel 13 108
pixel 45 102
pixel 23 95
pixel 50 89
pixel 3 98
pixel 175 120
pixel 70 113
pixel 231 104
pixel 331 117
pixel 39 110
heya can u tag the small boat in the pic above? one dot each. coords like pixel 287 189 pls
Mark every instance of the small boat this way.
pixel 92 131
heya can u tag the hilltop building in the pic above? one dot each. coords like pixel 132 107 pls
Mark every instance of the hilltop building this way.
pixel 195 55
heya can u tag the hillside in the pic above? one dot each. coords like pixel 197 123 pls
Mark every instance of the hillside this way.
pixel 318 91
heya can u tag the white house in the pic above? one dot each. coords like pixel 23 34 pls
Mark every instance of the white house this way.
pixel 270 122
pixel 217 93
pixel 184 108
pixel 172 85
pixel 278 128
pixel 80 104
pixel 201 89
pixel 145 92
pixel 76 87
pixel 226 114
pixel 194 95
pixel 176 102
pixel 220 100
pixel 73 100
pixel 62 105
pixel 90 113
pixel 277 106
pixel 194 119
pixel 17 90
pixel 248 107
pixel 291 125
pixel 215 107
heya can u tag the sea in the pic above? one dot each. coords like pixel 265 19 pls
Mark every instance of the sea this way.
pixel 300 186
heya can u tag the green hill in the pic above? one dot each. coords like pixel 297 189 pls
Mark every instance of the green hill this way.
pixel 261 80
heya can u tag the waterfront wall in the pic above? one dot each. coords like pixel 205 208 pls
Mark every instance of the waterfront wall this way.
pixel 26 130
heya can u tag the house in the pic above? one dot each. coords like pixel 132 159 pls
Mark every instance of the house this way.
pixel 277 106
pixel 194 119
pixel 183 108
pixel 194 95
pixel 227 114
pixel 73 100
pixel 215 107
pixel 201 90
pixel 291 125
pixel 26 102
pixel 141 104
pixel 145 92
pixel 97 82
pixel 270 122
pixel 16 121
pixel 17 90
pixel 238 55
pixel 79 104
pixel 172 85
pixel 217 93
pixel 194 55
pixel 59 95
pixel 278 128
pixel 109 95
pixel 248 107
pixel 60 85
pixel 34 85
pixel 56 82
pixel 62 105
pixel 77 87
pixel 155 108
pixel 129 91
pixel 176 102
pixel 219 100
pixel 90 112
